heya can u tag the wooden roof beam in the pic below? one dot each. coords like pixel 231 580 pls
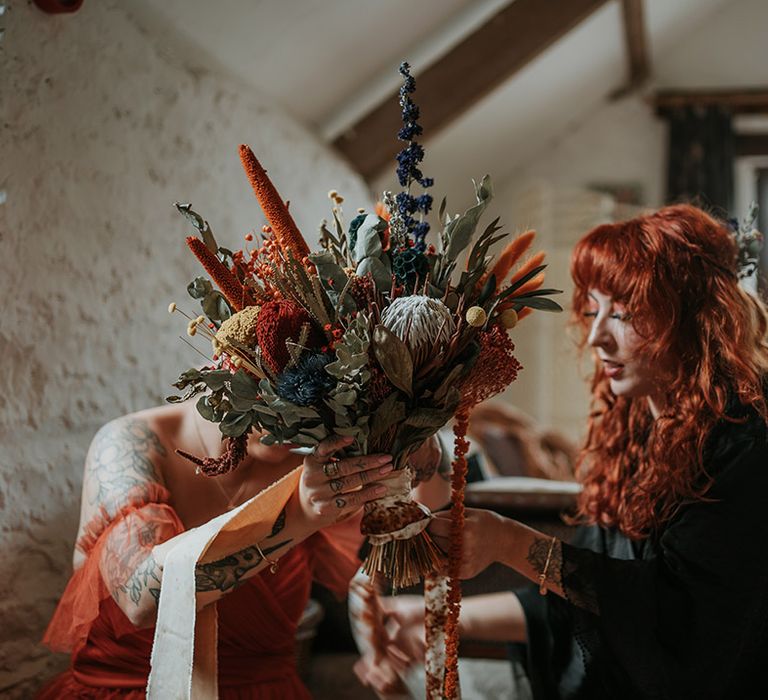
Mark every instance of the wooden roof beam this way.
pixel 483 60
pixel 739 101
pixel 636 42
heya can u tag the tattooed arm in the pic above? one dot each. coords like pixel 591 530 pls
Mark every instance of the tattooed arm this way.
pixel 489 538
pixel 223 575
pixel 122 469
pixel 121 472
pixel 330 490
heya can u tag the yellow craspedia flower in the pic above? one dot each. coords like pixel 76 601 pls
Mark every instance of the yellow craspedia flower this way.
pixel 476 316
pixel 240 328
pixel 508 318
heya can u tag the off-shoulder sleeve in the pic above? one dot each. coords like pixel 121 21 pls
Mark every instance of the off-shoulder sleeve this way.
pixel 690 621
pixel 79 604
pixel 334 555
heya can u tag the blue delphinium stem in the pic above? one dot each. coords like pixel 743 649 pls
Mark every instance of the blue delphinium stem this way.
pixel 408 162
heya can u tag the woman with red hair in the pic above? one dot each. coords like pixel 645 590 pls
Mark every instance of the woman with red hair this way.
pixel 663 591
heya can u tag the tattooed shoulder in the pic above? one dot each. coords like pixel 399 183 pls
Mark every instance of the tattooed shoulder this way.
pixel 123 455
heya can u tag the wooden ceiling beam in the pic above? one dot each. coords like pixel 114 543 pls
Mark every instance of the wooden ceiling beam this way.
pixel 739 101
pixel 636 43
pixel 512 38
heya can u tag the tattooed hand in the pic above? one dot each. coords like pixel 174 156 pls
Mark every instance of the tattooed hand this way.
pixel 332 489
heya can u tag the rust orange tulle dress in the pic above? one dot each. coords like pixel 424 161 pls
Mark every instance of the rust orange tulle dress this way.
pixel 257 621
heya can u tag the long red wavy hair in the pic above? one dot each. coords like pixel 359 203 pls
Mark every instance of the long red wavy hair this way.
pixel 675 273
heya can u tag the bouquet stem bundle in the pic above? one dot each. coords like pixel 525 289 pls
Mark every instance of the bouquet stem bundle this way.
pixel 406 555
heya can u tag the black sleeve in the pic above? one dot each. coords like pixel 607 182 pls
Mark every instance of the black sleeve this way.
pixel 690 622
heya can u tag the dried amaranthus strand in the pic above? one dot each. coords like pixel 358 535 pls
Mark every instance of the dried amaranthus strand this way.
pixel 458 483
pixel 236 294
pixel 234 453
pixel 286 232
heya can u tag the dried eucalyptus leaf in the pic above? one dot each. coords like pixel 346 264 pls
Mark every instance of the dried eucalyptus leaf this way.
pixel 235 424
pixel 215 306
pixel 241 404
pixel 368 238
pixel 328 269
pixel 185 209
pixel 209 240
pixel 381 274
pixel 345 398
pixel 192 391
pixel 318 432
pixel 304 440
pixel 459 231
pixel 216 378
pixel 199 288
pixel 352 431
pixel 208 411
pixel 264 410
pixel 187 377
pixel 244 385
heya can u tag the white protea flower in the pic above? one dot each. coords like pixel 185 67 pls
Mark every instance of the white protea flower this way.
pixel 420 322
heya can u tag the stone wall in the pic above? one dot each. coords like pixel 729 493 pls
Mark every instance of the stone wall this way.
pixel 102 129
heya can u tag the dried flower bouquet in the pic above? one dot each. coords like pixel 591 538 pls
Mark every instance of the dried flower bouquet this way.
pixel 375 335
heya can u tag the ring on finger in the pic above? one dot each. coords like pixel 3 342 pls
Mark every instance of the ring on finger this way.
pixel 331 470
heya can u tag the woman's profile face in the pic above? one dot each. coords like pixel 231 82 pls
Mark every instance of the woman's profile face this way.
pixel 619 348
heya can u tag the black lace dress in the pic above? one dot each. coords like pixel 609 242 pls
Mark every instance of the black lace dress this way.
pixel 683 614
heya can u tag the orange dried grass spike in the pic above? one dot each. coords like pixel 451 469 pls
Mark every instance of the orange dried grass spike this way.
pixel 286 232
pixel 512 252
pixel 234 292
pixel 528 265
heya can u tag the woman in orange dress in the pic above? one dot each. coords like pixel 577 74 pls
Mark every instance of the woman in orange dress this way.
pixel 138 494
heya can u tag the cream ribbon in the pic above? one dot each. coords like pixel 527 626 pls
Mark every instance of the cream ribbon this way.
pixel 399 485
pixel 184 653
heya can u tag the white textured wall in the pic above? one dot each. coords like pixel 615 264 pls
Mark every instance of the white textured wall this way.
pixel 102 129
